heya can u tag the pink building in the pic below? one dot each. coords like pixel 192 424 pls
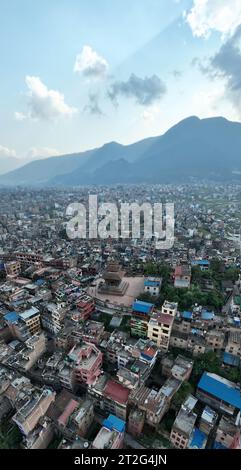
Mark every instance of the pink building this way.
pixel 87 363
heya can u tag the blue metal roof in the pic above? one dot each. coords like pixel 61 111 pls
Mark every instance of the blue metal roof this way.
pixel 143 307
pixel 40 282
pixel 216 386
pixel 187 315
pixel 199 440
pixel 151 283
pixel 202 262
pixel 205 315
pixel 230 359
pixel 11 317
pixel 112 422
pixel 217 445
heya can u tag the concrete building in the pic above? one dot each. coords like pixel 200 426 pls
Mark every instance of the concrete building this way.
pixel 141 312
pixel 228 433
pixel 52 318
pixel 111 435
pixel 159 329
pixel 208 420
pixel 28 416
pixel 183 425
pixel 85 306
pixel 13 268
pixel 219 393
pixel 152 286
pixel 41 436
pixel 136 422
pixel 182 277
pixel 110 396
pixel 87 362
pixel 31 318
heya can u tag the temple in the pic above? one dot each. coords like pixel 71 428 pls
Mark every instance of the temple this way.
pixel 113 280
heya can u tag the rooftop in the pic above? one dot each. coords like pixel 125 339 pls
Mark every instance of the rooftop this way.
pixel 221 388
pixel 116 392
pixel 142 307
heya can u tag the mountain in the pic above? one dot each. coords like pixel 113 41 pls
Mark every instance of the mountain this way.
pixel 8 163
pixel 192 149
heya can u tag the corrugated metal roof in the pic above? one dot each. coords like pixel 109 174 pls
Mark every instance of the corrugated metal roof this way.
pixel 220 388
pixel 143 307
pixel 11 317
pixel 112 422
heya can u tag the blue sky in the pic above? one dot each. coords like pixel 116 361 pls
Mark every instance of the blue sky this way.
pixel 76 73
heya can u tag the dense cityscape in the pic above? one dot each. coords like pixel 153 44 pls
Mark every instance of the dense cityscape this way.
pixel 115 344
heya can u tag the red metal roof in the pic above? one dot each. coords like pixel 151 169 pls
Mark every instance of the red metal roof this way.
pixel 116 392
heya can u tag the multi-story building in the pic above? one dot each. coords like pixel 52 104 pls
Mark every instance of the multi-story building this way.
pixel 159 329
pixel 219 393
pixel 183 425
pixel 28 416
pixel 31 318
pixel 152 286
pixel 141 312
pixel 85 306
pixel 215 340
pixel 111 435
pixel 182 277
pixel 13 268
pixel 208 420
pixel 41 436
pixel 52 318
pixel 233 347
pixel 110 396
pixel 136 422
pixel 228 433
pixel 87 362
pixel 34 348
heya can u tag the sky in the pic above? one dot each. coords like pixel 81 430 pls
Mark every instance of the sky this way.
pixel 76 74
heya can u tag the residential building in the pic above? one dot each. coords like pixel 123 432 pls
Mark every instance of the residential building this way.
pixel 182 277
pixel 111 435
pixel 228 433
pixel 219 393
pixel 152 286
pixel 159 329
pixel 31 318
pixel 141 312
pixel 28 416
pixel 87 362
pixel 183 425
pixel 136 422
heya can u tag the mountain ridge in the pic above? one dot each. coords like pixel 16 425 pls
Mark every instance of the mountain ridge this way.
pixel 192 148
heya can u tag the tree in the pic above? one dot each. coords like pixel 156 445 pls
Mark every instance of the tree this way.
pixel 183 392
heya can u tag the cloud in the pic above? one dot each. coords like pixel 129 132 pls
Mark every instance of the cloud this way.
pixel 226 65
pixel 177 74
pixel 19 116
pixel 45 104
pixel 145 91
pixel 90 64
pixel 42 152
pixel 6 152
pixel 214 15
pixel 93 106
pixel 150 113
